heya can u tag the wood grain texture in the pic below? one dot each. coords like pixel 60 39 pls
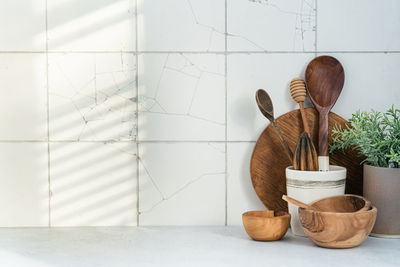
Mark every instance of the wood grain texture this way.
pixel 342 203
pixel 305 156
pixel 266 225
pixel 297 203
pixel 340 224
pixel 324 79
pixel 298 92
pixel 266 107
pixel 269 160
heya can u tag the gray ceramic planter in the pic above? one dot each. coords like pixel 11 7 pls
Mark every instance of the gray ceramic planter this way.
pixel 382 188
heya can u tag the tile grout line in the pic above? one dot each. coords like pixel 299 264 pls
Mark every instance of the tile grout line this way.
pixel 129 141
pixel 204 52
pixel 226 112
pixel 137 115
pixel 316 29
pixel 48 119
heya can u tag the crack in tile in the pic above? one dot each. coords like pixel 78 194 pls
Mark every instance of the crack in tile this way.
pixel 305 22
pixel 212 29
pixel 184 70
pixel 184 186
pixel 103 105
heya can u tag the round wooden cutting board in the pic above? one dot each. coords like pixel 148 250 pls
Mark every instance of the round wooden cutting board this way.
pixel 269 160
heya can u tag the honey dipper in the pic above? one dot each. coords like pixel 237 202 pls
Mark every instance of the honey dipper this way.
pixel 305 157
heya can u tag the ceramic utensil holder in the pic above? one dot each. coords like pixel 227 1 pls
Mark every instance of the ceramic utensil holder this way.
pixel 307 186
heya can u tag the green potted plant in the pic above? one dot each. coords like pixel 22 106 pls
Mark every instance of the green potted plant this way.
pixel 376 136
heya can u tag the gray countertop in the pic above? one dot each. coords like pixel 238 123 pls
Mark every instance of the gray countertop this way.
pixel 179 246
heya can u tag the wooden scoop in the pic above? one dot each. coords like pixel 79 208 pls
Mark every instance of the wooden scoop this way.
pixel 329 203
pixel 325 79
pixel 305 156
pixel 264 103
pixel 298 203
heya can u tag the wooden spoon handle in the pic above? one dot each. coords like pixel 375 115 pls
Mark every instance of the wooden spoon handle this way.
pixel 323 134
pixel 323 155
pixel 285 145
pixel 297 203
pixel 304 118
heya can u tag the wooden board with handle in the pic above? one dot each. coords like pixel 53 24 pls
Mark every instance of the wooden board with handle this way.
pixel 268 162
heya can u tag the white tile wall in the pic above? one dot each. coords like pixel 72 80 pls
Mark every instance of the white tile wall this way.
pixel 91 25
pixel 176 25
pixel 271 25
pixel 23 96
pixel 92 100
pixel 23 25
pixel 358 25
pixel 126 112
pixel 182 97
pixel 241 195
pixel 182 184
pixel 93 184
pixel 24 184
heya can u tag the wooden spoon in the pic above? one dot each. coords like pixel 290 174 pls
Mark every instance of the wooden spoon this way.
pixel 297 203
pixel 264 103
pixel 325 79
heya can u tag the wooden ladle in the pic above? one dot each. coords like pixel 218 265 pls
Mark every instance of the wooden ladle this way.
pixel 264 103
pixel 324 79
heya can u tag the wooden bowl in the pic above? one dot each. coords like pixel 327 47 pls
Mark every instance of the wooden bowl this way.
pixel 342 203
pixel 339 222
pixel 266 225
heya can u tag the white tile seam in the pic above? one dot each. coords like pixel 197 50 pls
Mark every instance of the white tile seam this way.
pixel 48 119
pixel 137 114
pixel 205 52
pixel 316 29
pixel 226 112
pixel 127 141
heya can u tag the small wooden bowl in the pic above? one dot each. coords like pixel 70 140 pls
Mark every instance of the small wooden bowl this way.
pixel 339 222
pixel 266 225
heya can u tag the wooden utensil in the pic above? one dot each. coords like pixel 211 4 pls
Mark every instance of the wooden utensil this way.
pixel 341 203
pixel 305 156
pixel 298 92
pixel 339 222
pixel 325 79
pixel 269 160
pixel 297 203
pixel 264 103
pixel 266 225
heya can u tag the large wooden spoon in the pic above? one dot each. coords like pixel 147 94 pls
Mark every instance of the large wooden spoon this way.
pixel 324 79
pixel 264 103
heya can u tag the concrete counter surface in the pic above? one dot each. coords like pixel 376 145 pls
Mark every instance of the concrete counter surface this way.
pixel 179 246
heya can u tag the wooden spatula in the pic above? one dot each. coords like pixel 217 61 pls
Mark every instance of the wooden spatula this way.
pixel 324 79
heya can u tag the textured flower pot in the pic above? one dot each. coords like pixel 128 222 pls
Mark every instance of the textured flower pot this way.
pixel 308 186
pixel 382 188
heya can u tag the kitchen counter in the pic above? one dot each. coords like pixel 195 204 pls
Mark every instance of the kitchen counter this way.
pixel 179 246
